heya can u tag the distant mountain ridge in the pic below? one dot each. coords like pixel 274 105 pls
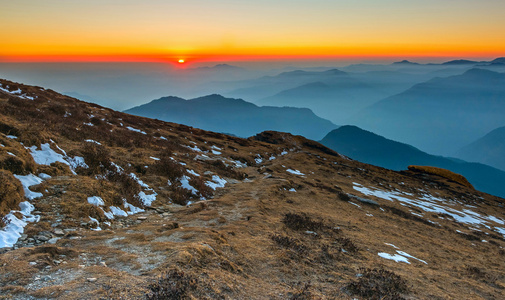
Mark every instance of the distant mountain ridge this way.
pixel 371 148
pixel 333 95
pixel 440 115
pixel 490 149
pixel 235 116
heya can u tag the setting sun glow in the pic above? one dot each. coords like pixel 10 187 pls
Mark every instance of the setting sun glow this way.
pixel 368 29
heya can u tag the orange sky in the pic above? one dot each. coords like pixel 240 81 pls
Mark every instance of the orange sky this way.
pixel 221 30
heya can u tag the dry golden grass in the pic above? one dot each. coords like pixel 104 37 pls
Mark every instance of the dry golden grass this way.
pixel 11 193
pixel 442 173
pixel 240 244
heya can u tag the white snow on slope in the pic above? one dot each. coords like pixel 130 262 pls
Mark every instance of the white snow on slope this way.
pixel 96 201
pixel 400 257
pixel 216 182
pixel 185 184
pixel 395 257
pixel 17 92
pixel 192 172
pixel 194 148
pixel 295 172
pixel 116 211
pixel 46 155
pixel 135 129
pixel 430 203
pixel 27 181
pixel 10 234
pixel 92 141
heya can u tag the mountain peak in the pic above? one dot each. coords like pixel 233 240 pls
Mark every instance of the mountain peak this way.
pixel 405 62
pixel 482 73
pixel 460 62
pixel 500 60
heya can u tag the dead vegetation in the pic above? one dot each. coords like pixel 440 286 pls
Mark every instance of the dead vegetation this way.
pixel 172 285
pixel 442 173
pixel 11 194
pixel 252 239
pixel 377 284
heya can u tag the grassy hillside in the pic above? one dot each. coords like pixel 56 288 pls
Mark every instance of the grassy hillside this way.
pixel 123 207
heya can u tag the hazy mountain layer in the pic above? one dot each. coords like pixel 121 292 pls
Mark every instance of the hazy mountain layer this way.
pixel 441 115
pixel 234 116
pixel 489 149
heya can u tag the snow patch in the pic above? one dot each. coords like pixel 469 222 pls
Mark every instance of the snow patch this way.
pixel 395 257
pixel 295 172
pixel 92 141
pixel 96 201
pixel 217 182
pixel 27 181
pixel 135 129
pixel 193 173
pixel 194 148
pixel 10 234
pixel 185 184
pixel 46 155
pixel 116 211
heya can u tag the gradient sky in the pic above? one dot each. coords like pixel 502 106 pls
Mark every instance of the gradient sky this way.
pixel 59 30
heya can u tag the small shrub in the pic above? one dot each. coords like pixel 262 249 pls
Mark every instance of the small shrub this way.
pixel 97 157
pixel 167 167
pixel 343 196
pixel 128 187
pixel 289 243
pixel 378 284
pixel 303 293
pixel 227 171
pixel 347 244
pixel 8 130
pixel 302 222
pixel 17 165
pixel 407 215
pixel 475 272
pixel 180 195
pixel 199 184
pixel 11 194
pixel 172 285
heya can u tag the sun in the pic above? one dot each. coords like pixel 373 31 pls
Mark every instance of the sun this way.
pixel 181 61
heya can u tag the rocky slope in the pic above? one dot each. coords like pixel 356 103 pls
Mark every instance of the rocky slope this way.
pixel 126 207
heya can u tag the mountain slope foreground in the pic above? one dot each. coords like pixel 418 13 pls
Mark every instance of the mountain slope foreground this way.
pixel 105 205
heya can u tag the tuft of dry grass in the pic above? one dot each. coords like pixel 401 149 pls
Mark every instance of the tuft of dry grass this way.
pixel 173 284
pixel 11 194
pixel 442 173
pixel 378 284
